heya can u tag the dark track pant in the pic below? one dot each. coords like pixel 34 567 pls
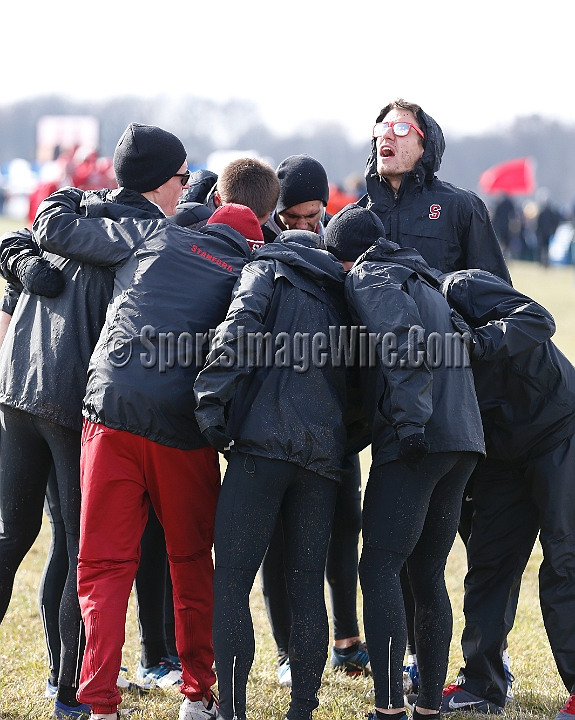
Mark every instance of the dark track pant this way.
pixel 340 569
pixel 512 504
pixel 255 491
pixel 29 446
pixel 410 516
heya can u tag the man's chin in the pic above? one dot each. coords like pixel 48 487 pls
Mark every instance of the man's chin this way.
pixel 385 169
pixel 386 172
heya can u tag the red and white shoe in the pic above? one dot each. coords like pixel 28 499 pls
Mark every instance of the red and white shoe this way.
pixel 567 712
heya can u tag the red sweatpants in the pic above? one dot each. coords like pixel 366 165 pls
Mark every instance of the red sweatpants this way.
pixel 120 474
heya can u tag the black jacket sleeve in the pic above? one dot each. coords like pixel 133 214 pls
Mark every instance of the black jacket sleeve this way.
pixel 61 229
pixel 216 383
pixel 12 292
pixel 505 321
pixel 385 308
pixel 482 247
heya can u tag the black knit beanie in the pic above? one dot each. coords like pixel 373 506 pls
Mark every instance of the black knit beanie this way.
pixel 352 231
pixel 146 157
pixel 302 178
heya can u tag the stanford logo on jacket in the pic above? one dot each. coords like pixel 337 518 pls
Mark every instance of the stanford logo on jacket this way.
pixel 434 211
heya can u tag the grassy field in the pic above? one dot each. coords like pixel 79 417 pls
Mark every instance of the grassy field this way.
pixel 539 692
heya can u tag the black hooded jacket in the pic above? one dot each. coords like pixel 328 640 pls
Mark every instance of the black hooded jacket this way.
pixel 390 290
pixel 46 351
pixel 448 226
pixel 171 286
pixel 525 385
pixel 290 407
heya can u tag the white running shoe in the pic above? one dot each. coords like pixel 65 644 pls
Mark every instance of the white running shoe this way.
pixel 163 675
pixel 284 672
pixel 196 710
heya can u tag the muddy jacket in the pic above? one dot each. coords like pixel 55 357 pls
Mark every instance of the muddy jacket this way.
pixel 290 407
pixel 45 355
pixel 390 290
pixel 171 286
pixel 525 385
pixel 448 226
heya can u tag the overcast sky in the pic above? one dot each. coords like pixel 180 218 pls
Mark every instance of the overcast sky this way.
pixel 472 65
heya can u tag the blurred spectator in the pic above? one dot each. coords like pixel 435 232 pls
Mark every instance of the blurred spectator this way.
pixel 85 171
pixel 338 199
pixel 354 184
pixel 503 219
pixel 547 223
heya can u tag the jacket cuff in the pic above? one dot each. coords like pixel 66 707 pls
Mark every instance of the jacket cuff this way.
pixel 10 299
pixel 210 416
pixel 406 430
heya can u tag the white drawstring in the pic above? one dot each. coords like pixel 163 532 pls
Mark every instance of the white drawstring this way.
pixel 234 688
pixel 389 705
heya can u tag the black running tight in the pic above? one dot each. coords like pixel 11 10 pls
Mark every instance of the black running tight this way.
pixel 410 516
pixel 29 446
pixel 340 569
pixel 254 493
pixel 54 577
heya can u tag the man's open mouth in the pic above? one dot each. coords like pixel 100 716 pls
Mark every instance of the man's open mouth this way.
pixel 387 152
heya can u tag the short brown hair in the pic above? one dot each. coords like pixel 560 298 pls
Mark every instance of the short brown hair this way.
pixel 401 104
pixel 249 182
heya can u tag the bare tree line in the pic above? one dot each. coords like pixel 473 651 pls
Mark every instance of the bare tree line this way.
pixel 205 125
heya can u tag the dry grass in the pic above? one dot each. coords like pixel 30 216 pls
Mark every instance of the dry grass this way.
pixel 539 692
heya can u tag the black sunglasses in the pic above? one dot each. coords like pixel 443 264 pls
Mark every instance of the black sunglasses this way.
pixel 184 177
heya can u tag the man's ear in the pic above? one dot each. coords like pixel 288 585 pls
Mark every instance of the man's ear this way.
pixel 217 199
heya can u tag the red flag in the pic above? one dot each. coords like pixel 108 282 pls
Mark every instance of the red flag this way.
pixel 514 177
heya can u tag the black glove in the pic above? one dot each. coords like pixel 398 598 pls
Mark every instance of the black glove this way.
pixel 216 436
pixel 412 449
pixel 39 276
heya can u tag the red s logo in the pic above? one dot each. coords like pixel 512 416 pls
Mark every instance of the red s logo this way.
pixel 434 212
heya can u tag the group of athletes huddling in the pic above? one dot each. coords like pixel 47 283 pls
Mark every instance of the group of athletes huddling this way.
pixel 150 327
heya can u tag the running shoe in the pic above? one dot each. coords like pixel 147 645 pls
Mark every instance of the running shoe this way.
pixel 410 700
pixel 80 712
pixel 356 663
pixel 196 710
pixel 509 676
pixel 456 699
pixel 125 684
pixel 410 679
pixel 567 712
pixel 284 672
pixel 51 690
pixel 175 660
pixel 163 675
